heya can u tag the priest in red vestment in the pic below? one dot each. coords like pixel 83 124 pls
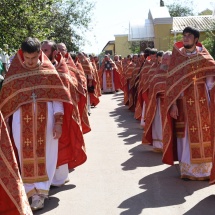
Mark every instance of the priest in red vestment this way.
pixel 142 96
pixel 132 88
pixel 90 73
pixel 72 135
pixel 153 132
pixel 80 81
pixel 187 125
pixel 13 199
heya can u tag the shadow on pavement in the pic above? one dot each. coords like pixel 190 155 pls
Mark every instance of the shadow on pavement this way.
pixel 52 202
pixel 206 206
pixel 125 119
pixel 65 187
pixel 162 189
pixel 142 156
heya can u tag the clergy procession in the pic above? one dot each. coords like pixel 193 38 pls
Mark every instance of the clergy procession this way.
pixel 45 108
pixel 46 100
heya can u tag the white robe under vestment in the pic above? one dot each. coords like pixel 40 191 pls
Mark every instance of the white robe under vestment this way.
pixel 157 136
pixel 194 171
pixel 51 148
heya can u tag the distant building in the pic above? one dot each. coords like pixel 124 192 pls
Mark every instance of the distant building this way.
pixel 109 47
pixel 158 31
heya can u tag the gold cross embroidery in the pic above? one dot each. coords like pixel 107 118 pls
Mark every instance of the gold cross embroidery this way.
pixel 202 100
pixel 40 141
pixel 27 142
pixel 193 129
pixel 34 96
pixel 27 119
pixel 190 101
pixel 41 118
pixel 206 127
pixel 194 79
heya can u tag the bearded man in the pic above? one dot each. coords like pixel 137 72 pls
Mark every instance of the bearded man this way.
pixel 71 142
pixel 187 130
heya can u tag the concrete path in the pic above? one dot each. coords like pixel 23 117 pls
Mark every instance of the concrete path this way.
pixel 122 176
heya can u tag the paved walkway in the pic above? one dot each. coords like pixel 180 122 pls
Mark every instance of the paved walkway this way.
pixel 122 176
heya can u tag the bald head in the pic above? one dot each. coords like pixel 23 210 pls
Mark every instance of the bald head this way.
pixel 62 48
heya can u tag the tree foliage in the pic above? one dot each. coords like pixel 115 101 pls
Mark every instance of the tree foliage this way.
pixel 209 43
pixel 174 39
pixel 60 20
pixel 206 12
pixel 179 8
pixel 134 47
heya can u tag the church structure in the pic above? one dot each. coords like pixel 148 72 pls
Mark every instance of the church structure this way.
pixel 159 30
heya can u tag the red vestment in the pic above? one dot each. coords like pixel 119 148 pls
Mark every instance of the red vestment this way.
pixel 127 76
pixel 186 83
pixel 19 86
pixel 71 142
pixel 97 85
pixel 118 75
pixel 132 88
pixel 89 71
pixel 140 96
pixel 156 89
pixel 13 199
pixel 81 92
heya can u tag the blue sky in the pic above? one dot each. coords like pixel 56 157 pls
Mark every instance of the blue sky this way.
pixel 112 17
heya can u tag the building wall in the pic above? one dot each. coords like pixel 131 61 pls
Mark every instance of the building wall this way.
pixel 122 45
pixel 109 48
pixel 163 40
pixel 163 36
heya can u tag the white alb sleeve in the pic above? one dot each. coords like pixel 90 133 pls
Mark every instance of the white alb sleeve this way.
pixel 209 82
pixel 58 107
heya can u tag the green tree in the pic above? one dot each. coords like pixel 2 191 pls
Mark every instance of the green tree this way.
pixel 178 9
pixel 206 12
pixel 60 20
pixel 209 43
pixel 134 47
pixel 21 18
pixel 174 39
pixel 71 18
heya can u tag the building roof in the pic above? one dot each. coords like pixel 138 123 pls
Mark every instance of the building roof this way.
pixel 111 42
pixel 141 30
pixel 202 23
pixel 144 30
pixel 120 35
pixel 158 12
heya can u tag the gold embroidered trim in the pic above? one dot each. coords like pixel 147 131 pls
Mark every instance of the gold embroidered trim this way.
pixel 28 74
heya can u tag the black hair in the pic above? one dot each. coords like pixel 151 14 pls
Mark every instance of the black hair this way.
pixel 31 45
pixel 153 51
pixel 160 53
pixel 147 50
pixel 193 31
pixel 74 56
